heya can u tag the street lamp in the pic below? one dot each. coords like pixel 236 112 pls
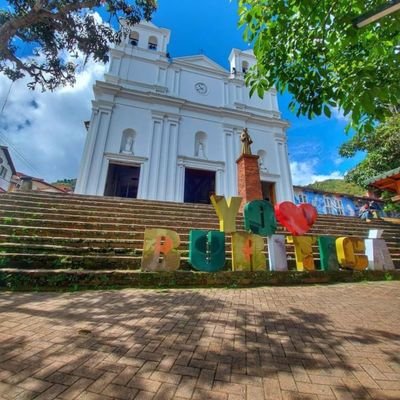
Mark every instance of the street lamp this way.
pixel 377 14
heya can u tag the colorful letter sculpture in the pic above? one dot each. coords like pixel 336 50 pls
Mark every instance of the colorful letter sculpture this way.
pixel 259 218
pixel 160 250
pixel 327 251
pixel 207 250
pixel 247 252
pixel 303 252
pixel 277 253
pixel 378 255
pixel 298 220
pixel 227 211
pixel 350 253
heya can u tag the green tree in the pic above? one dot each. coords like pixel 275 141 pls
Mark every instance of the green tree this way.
pixel 382 147
pixel 312 49
pixel 58 30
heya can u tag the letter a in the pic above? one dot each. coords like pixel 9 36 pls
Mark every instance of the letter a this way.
pixel 348 253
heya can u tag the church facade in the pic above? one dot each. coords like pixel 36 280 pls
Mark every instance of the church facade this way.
pixel 169 130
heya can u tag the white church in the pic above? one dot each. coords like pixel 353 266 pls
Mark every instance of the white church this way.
pixel 169 129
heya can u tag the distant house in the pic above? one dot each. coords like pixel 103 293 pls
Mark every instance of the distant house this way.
pixel 7 169
pixel 332 203
pixel 31 183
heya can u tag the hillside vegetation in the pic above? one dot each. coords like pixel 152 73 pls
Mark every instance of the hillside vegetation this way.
pixel 338 186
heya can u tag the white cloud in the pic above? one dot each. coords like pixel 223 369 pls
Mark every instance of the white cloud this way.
pixel 47 128
pixel 304 173
pixel 338 114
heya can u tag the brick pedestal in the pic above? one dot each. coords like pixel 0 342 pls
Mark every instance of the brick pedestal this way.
pixel 249 182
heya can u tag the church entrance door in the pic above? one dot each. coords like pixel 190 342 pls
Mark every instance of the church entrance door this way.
pixel 199 185
pixel 122 181
pixel 268 191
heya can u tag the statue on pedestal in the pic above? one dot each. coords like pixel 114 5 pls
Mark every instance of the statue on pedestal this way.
pixel 246 141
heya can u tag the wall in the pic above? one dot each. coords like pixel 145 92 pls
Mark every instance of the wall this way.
pixel 6 177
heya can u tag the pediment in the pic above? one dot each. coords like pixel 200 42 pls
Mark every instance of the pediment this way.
pixel 201 61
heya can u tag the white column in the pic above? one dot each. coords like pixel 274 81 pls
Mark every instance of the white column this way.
pixel 87 153
pixel 97 150
pixel 230 163
pixel 180 182
pixel 141 194
pixel 171 180
pixel 219 182
pixel 236 152
pixel 154 157
pixel 285 176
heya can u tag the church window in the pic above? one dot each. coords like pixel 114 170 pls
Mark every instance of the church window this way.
pixel 200 145
pixel 3 171
pixel 153 43
pixel 134 38
pixel 127 141
pixel 245 66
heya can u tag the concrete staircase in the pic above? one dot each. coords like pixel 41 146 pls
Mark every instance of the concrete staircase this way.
pixel 57 231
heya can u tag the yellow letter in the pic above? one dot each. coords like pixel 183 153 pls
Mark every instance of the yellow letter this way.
pixel 347 248
pixel 247 252
pixel 303 252
pixel 227 211
pixel 160 250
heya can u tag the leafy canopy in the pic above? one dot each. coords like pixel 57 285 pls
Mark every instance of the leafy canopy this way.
pixel 382 147
pixel 312 49
pixel 59 30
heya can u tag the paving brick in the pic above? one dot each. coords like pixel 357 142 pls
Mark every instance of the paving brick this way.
pixel 201 394
pixel 206 379
pixel 166 392
pixel 272 388
pixel 144 384
pixel 126 375
pixel 300 342
pixel 165 377
pixel 286 381
pixel 186 387
pixel 120 392
pixel 76 389
pixel 100 384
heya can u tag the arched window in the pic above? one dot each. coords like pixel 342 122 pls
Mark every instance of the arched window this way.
pixel 153 43
pixel 127 141
pixel 134 38
pixel 200 145
pixel 245 66
pixel 262 162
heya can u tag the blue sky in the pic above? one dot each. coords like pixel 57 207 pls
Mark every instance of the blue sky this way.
pixel 50 134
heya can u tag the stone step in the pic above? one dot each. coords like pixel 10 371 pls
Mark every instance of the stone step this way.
pixel 66 251
pixel 93 201
pixel 13 210
pixel 54 261
pixel 16 230
pixel 40 229
pixel 115 204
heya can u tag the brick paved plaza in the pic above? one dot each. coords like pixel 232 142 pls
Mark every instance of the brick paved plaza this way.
pixel 321 342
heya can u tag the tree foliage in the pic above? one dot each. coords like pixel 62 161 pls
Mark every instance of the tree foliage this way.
pixel 313 50
pixel 59 30
pixel 382 147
